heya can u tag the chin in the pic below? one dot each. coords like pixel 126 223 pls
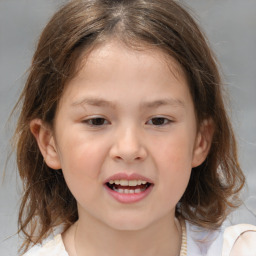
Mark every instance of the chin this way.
pixel 128 223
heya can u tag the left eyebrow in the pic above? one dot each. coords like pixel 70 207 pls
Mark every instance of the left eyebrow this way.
pixel 163 102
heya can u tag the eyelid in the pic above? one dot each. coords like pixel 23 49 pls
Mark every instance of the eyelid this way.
pixel 169 120
pixel 91 118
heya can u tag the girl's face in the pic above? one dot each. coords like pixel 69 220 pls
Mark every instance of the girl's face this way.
pixel 127 115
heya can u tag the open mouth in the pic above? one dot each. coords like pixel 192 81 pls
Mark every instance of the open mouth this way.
pixel 128 186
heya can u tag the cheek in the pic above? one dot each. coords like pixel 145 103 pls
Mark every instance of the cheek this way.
pixel 176 149
pixel 175 168
pixel 174 175
pixel 173 159
pixel 82 157
pixel 81 166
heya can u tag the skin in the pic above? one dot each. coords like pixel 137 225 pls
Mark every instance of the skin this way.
pixel 128 90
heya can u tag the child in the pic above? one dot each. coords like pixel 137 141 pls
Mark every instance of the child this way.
pixel 123 142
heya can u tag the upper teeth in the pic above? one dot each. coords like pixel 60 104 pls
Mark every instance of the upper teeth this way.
pixel 132 183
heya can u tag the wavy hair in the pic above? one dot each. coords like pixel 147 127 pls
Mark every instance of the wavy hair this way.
pixel 75 29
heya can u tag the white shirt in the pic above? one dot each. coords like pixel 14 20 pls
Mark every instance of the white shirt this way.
pixel 200 242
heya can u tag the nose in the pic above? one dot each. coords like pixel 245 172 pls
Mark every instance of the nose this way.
pixel 128 146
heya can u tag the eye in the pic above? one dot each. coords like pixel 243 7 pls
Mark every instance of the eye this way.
pixel 97 121
pixel 159 121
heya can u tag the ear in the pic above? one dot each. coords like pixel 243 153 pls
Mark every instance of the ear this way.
pixel 203 142
pixel 46 143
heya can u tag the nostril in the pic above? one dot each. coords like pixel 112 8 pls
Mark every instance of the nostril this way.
pixel 127 146
pixel 129 156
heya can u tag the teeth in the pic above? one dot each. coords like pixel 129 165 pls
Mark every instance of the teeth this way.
pixel 124 182
pixel 129 191
pixel 131 183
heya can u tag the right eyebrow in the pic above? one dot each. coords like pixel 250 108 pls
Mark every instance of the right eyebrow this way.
pixel 98 102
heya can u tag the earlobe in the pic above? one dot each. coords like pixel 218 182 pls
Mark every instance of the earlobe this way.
pixel 46 143
pixel 203 142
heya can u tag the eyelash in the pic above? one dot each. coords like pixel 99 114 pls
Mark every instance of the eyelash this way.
pixel 96 119
pixel 164 121
pixel 101 121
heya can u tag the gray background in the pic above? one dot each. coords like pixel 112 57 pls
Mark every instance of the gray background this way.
pixel 231 28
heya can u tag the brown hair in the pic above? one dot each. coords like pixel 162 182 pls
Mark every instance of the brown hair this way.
pixel 77 27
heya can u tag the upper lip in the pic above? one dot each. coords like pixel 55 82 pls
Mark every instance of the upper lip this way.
pixel 125 176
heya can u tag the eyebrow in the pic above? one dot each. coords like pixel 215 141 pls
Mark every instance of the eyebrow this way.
pixel 99 102
pixel 163 102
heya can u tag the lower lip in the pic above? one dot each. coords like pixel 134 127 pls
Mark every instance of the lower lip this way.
pixel 129 198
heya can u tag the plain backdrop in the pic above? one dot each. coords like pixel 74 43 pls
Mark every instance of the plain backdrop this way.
pixel 231 28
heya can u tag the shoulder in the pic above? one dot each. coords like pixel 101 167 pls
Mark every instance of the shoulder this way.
pixel 240 240
pixel 54 247
pixel 237 240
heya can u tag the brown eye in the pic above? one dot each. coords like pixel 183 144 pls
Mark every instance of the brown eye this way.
pixel 98 121
pixel 159 121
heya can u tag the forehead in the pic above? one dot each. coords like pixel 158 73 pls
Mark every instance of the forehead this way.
pixel 135 54
pixel 123 70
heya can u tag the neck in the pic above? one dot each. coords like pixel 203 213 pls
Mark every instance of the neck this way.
pixel 92 237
